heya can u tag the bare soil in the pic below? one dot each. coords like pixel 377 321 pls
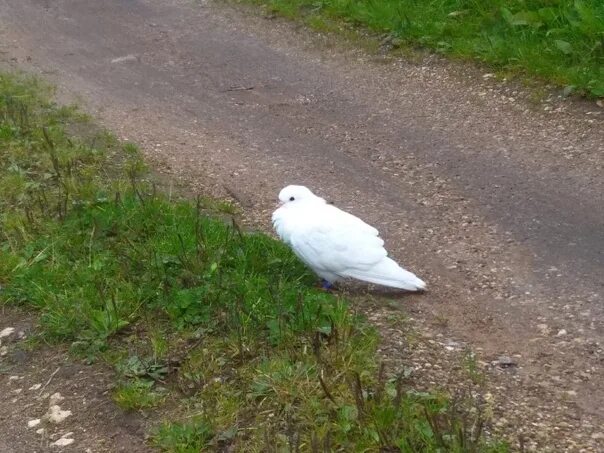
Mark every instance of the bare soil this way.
pixel 31 377
pixel 493 198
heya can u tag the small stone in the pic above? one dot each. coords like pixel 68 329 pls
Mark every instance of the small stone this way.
pixel 396 42
pixel 55 398
pixel 34 422
pixel 124 59
pixel 19 356
pixel 505 361
pixel 35 387
pixel 561 333
pixel 7 331
pixel 3 351
pixel 543 329
pixel 56 415
pixel 63 441
pixel 40 431
pixel 501 421
pixel 597 436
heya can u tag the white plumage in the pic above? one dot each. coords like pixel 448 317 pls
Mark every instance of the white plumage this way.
pixel 336 244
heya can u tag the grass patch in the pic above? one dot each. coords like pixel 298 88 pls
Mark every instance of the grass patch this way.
pixel 137 394
pixel 561 41
pixel 191 309
pixel 191 437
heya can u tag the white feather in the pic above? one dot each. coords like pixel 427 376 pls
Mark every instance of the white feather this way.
pixel 336 244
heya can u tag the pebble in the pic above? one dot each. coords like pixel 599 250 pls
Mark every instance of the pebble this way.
pixel 55 398
pixel 64 441
pixel 125 58
pixel 7 331
pixel 35 387
pixel 543 329
pixel 56 415
pixel 34 422
pixel 505 361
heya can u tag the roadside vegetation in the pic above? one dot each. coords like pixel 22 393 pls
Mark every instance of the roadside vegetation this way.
pixel 220 331
pixel 559 41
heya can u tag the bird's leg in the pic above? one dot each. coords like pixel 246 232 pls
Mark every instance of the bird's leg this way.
pixel 326 285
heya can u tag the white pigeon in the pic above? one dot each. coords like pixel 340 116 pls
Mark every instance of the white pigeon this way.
pixel 336 244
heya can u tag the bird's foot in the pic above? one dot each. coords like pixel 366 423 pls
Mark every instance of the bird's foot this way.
pixel 326 285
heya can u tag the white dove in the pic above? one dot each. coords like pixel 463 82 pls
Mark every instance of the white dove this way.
pixel 336 244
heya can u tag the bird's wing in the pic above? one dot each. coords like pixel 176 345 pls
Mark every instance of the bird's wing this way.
pixel 338 217
pixel 336 241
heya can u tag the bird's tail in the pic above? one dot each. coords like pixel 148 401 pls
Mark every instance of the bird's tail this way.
pixel 388 273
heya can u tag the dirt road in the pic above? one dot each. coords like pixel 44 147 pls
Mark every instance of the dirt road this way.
pixel 496 200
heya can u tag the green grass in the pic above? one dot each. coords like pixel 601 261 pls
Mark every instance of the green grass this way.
pixel 190 437
pixel 137 394
pixel 218 330
pixel 560 41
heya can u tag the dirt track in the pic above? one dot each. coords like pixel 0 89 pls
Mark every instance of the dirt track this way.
pixel 496 201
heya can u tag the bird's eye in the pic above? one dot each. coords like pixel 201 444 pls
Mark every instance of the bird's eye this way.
pixel 291 198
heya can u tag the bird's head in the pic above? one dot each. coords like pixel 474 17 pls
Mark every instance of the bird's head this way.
pixel 293 194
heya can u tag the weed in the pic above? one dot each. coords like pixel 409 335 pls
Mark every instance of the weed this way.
pixel 191 437
pixel 135 367
pixel 471 368
pixel 137 394
pixel 441 321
